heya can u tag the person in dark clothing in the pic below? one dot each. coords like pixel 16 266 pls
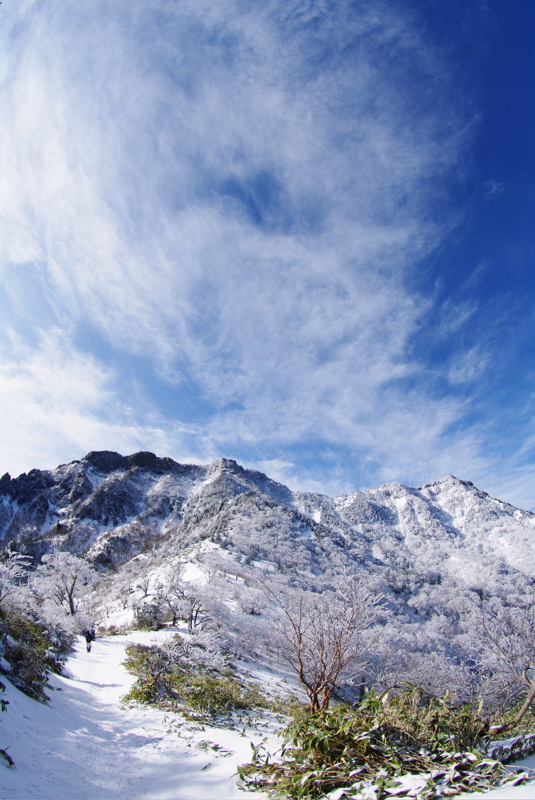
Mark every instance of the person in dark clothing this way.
pixel 89 636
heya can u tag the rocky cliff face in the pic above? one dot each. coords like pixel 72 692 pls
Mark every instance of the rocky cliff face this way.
pixel 110 508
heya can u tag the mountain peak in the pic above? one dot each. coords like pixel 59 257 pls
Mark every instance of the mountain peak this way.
pixel 105 461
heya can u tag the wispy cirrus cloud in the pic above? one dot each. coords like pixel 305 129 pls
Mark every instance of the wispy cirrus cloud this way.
pixel 244 196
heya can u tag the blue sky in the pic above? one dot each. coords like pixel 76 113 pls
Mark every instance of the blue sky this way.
pixel 298 234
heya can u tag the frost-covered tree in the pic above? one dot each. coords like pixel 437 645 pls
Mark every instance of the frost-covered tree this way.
pixel 143 584
pixel 321 635
pixel 507 657
pixel 182 599
pixel 411 655
pixel 62 579
pixel 13 573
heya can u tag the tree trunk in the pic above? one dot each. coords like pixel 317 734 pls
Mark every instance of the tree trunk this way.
pixel 70 598
pixel 508 726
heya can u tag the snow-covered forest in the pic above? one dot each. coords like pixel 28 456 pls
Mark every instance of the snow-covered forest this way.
pixel 237 605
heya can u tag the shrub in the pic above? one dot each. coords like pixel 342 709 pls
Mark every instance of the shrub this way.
pixel 525 726
pixel 148 617
pixel 165 677
pixel 152 669
pixel 33 648
pixel 3 705
pixel 379 749
pixel 213 694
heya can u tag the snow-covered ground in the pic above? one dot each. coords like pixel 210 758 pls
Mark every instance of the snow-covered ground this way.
pixel 86 746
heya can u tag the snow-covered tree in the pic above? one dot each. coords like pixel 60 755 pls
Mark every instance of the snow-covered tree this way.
pixel 411 655
pixel 182 599
pixel 62 579
pixel 507 639
pixel 13 573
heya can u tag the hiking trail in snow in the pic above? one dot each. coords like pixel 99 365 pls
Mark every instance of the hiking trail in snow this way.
pixel 86 746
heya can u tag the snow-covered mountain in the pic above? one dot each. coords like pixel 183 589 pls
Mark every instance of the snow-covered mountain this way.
pixel 239 541
pixel 110 508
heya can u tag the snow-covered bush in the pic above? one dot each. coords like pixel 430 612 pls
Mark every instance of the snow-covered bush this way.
pixel 32 648
pixel 148 617
pixel 190 677
pixel 381 748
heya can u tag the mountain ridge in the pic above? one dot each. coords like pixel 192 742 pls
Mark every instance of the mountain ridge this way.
pixel 111 507
pixel 234 539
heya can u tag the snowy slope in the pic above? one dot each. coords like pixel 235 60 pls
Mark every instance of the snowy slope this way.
pixel 141 521
pixel 85 746
pixel 110 508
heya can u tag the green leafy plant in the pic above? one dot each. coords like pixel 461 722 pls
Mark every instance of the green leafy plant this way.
pixel 382 747
pixel 165 678
pixel 33 649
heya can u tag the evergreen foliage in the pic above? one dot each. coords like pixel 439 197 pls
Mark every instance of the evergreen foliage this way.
pixel 170 678
pixel 380 748
pixel 32 648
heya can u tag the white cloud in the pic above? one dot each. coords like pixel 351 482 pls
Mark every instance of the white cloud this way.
pixel 469 367
pixel 127 147
pixel 514 485
pixel 243 197
pixel 58 403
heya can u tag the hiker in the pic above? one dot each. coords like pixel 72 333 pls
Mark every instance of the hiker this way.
pixel 89 637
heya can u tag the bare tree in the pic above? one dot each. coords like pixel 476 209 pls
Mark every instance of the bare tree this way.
pixel 182 599
pixel 321 635
pixel 507 640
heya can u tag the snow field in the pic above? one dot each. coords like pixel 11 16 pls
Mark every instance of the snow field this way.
pixel 86 746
